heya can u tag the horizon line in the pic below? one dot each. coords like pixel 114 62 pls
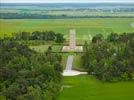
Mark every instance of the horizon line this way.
pixel 71 2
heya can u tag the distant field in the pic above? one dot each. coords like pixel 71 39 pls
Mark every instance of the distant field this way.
pixel 67 10
pixel 73 13
pixel 85 87
pixel 85 28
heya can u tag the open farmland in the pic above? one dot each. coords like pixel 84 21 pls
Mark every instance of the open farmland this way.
pixel 69 10
pixel 71 13
pixel 86 28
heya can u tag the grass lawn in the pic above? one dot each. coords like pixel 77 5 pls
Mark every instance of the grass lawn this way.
pixel 44 48
pixel 77 64
pixel 85 87
pixel 65 56
pixel 56 48
pixel 64 60
pixel 40 48
pixel 85 28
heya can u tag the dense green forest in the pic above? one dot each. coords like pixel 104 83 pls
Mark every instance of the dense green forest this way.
pixel 26 74
pixel 110 59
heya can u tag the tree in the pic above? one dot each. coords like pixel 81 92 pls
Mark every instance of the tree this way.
pixel 110 59
pixel 36 35
pixel 50 35
pixel 49 50
pixel 59 38
pixel 113 37
pixel 97 38
pixel 12 92
pixel 24 50
pixel 34 94
pixel 21 36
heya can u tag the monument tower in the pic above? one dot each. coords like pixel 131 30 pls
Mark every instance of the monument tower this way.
pixel 72 43
pixel 72 39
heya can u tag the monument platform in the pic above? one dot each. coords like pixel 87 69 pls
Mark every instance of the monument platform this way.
pixel 75 49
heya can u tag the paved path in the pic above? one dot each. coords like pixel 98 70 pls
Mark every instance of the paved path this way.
pixel 69 63
pixel 68 70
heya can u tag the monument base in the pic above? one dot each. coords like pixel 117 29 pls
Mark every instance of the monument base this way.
pixel 75 49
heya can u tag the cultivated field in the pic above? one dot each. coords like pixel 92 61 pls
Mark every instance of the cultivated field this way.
pixel 85 28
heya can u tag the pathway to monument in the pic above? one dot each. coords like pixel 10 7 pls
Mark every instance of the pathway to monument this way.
pixel 68 70
pixel 72 47
pixel 69 63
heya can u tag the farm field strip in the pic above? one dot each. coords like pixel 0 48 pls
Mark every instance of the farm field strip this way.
pixel 84 27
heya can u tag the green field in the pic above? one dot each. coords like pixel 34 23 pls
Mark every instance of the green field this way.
pixel 44 48
pixel 85 28
pixel 40 48
pixel 85 87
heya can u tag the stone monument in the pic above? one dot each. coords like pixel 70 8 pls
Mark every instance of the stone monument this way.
pixel 72 43
pixel 72 39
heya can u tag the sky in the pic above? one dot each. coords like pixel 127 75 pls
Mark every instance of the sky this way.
pixel 62 1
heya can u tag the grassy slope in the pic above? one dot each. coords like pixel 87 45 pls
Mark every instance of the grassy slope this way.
pixel 77 63
pixel 84 27
pixel 85 87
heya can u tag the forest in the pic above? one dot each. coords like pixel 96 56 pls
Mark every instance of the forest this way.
pixel 110 59
pixel 26 74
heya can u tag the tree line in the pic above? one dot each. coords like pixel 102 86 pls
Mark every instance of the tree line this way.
pixel 37 35
pixel 111 58
pixel 45 16
pixel 28 75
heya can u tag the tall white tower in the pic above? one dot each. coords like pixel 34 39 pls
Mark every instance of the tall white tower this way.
pixel 72 43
